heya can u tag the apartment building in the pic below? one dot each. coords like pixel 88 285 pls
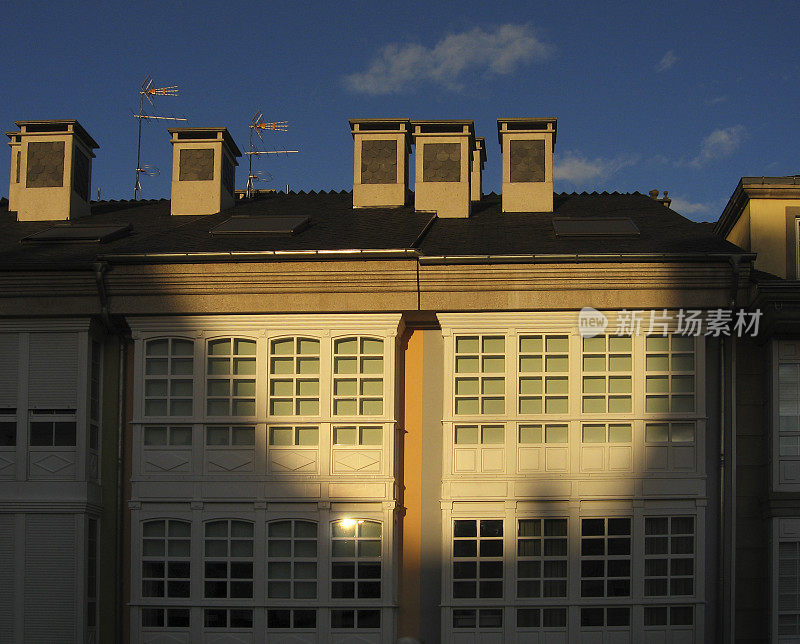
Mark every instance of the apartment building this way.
pixel 364 416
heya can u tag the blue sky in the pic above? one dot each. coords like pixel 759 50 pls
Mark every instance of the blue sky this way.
pixel 681 96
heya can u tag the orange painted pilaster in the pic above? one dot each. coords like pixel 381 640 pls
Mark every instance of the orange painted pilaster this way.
pixel 411 473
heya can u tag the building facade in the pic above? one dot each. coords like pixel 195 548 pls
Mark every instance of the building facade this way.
pixel 439 415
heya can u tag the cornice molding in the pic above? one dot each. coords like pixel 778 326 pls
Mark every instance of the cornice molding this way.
pixel 386 324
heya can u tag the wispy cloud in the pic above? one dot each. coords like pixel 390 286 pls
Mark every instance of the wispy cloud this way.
pixel 720 143
pixel 716 100
pixel 578 169
pixel 667 61
pixel 400 66
pixel 686 207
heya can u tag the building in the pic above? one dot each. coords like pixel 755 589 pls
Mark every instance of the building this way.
pixel 354 417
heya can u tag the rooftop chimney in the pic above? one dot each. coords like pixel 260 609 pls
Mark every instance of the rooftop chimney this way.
pixel 443 166
pixel 380 162
pixel 527 146
pixel 51 170
pixel 478 160
pixel 203 170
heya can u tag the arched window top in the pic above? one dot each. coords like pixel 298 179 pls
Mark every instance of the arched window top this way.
pixel 294 345
pixel 354 528
pixel 358 345
pixel 231 345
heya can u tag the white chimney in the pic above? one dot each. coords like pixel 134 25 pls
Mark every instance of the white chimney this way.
pixel 51 170
pixel 380 162
pixel 527 146
pixel 203 170
pixel 443 166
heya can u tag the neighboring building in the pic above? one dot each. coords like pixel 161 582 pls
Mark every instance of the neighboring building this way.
pixel 353 417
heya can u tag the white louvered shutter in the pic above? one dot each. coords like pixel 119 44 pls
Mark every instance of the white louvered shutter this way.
pixel 50 578
pixel 9 372
pixel 53 370
pixel 7 594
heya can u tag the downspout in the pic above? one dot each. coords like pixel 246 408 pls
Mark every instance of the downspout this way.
pixel 100 269
pixel 727 520
pixel 120 519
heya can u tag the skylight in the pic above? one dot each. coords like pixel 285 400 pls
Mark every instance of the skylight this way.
pixel 594 227
pixel 72 233
pixel 262 225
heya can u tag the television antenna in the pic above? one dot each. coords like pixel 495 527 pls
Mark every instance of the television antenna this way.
pixel 148 92
pixel 257 125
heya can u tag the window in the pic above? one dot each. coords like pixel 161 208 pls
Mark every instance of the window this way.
pixel 163 436
pixel 669 556
pixel 477 558
pixel 350 618
pixel 53 428
pixel 788 430
pixel 480 375
pixel 8 427
pixel 477 618
pixel 669 383
pixel 605 557
pixel 606 447
pixel 610 616
pixel 166 558
pixel 669 616
pixel 294 618
pixel 300 436
pixel 358 435
pixel 541 618
pixel 165 617
pixel 670 446
pixel 542 558
pixel 669 433
pixel 168 383
pixel 294 377
pixel 607 381
pixel 291 560
pixel 228 618
pixel 537 434
pixel 358 377
pixel 480 435
pixel 228 563
pixel 232 436
pixel 356 559
pixel 543 379
pixel 231 383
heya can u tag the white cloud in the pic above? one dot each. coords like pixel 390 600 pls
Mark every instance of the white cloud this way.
pixel 720 143
pixel 399 66
pixel 716 100
pixel 667 61
pixel 686 207
pixel 578 169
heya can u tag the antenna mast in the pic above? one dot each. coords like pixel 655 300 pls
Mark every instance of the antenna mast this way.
pixel 256 125
pixel 147 92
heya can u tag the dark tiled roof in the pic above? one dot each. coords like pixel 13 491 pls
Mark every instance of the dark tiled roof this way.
pixel 489 231
pixel 335 225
